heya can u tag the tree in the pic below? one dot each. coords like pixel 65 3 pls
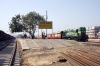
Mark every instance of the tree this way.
pixel 28 23
pixel 16 25
pixel 31 19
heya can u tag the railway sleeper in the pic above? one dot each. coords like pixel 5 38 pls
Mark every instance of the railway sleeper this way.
pixel 89 55
pixel 71 60
pixel 90 52
pixel 91 58
pixel 79 60
pixel 83 59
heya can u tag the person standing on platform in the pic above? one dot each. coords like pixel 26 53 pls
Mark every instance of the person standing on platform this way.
pixel 42 35
pixel 25 36
pixel 32 35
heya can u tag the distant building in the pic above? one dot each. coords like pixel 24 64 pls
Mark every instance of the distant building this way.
pixel 92 31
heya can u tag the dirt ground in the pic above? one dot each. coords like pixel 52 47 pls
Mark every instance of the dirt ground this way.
pixel 47 57
pixel 43 57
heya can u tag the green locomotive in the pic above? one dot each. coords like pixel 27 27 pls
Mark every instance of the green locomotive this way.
pixel 78 34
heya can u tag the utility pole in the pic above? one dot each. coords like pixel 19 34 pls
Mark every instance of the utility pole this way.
pixel 38 30
pixel 46 20
pixel 42 20
pixel 38 27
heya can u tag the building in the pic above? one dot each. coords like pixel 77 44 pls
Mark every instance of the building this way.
pixel 92 31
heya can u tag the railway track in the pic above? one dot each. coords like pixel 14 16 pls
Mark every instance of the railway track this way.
pixel 92 44
pixel 9 53
pixel 16 57
pixel 82 58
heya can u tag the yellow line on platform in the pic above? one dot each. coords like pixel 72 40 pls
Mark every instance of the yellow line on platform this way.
pixel 35 43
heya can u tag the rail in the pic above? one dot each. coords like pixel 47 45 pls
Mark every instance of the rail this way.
pixel 12 54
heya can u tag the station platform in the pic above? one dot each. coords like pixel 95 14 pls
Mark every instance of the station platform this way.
pixel 24 44
pixel 43 43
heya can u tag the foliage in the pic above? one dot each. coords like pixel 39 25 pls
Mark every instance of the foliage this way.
pixel 28 23
pixel 15 24
pixel 31 19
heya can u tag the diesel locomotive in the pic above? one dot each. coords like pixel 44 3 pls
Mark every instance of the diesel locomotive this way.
pixel 76 34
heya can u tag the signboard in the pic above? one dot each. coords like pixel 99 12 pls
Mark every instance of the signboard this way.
pixel 45 25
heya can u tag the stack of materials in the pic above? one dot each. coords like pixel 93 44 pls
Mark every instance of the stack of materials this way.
pixel 92 31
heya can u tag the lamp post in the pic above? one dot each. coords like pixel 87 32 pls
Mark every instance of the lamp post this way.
pixel 46 20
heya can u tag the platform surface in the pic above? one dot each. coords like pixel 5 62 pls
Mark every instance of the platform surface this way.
pixel 48 43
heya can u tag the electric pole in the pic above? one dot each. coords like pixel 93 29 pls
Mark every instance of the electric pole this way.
pixel 46 21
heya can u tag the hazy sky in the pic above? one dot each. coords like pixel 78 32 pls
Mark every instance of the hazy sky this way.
pixel 65 14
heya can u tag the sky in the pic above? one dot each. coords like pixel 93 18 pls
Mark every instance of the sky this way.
pixel 65 14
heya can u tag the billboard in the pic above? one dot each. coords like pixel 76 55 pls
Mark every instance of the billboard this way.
pixel 45 25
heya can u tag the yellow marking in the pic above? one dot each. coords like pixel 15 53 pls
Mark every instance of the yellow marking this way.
pixel 35 43
pixel 20 40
